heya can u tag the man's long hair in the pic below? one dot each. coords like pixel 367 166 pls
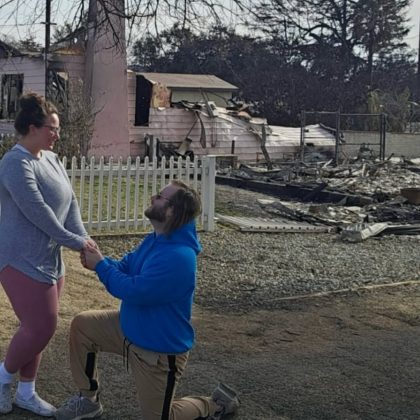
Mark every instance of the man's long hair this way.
pixel 186 206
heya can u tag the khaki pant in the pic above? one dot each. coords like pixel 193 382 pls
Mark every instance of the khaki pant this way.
pixel 156 375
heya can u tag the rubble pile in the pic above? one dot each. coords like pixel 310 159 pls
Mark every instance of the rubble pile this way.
pixel 322 193
pixel 381 180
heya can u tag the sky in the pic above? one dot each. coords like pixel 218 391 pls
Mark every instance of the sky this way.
pixel 61 9
pixel 414 14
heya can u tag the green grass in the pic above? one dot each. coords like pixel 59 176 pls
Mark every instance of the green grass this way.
pixel 112 196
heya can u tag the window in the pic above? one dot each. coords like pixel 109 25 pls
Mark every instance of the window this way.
pixel 11 89
pixel 143 98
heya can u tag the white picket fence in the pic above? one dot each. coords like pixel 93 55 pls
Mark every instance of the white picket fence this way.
pixel 113 194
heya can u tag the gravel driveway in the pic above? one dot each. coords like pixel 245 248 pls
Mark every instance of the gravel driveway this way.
pixel 350 356
pixel 241 270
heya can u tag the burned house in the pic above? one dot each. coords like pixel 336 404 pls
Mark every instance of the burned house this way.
pixel 83 68
pixel 22 71
pixel 185 112
pixel 196 113
pixel 182 112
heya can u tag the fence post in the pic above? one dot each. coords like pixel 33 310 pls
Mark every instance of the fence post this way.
pixel 382 136
pixel 302 136
pixel 208 187
pixel 337 137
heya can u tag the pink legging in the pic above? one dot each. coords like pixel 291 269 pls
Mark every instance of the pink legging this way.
pixel 36 306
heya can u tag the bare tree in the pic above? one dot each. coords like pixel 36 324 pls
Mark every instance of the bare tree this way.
pixel 151 16
pixel 77 120
pixel 354 29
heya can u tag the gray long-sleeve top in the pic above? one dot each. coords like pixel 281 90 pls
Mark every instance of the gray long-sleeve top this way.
pixel 38 214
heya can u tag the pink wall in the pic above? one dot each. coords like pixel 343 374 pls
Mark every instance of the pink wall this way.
pixel 106 83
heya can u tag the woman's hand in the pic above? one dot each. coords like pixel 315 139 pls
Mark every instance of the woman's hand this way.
pixel 90 244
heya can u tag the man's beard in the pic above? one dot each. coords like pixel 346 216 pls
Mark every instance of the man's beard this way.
pixel 156 214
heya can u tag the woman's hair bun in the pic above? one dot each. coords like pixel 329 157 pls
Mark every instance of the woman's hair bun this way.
pixel 34 109
pixel 31 101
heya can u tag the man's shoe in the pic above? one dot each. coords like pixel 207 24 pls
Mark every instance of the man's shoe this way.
pixel 226 398
pixel 35 404
pixel 6 398
pixel 79 407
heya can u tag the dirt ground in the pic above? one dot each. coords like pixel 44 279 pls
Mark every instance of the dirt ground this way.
pixel 354 356
pixel 340 357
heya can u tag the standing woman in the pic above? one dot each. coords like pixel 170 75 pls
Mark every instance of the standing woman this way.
pixel 38 215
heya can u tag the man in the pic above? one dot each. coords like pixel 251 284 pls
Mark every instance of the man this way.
pixel 152 329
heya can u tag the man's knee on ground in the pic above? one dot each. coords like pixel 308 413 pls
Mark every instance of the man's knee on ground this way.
pixel 79 322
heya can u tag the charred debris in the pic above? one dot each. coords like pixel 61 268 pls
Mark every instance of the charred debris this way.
pixel 359 198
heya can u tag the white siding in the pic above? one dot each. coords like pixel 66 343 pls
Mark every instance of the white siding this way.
pixel 223 134
pixel 131 98
pixel 32 68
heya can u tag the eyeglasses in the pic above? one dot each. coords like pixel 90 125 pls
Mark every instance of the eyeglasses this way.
pixel 56 130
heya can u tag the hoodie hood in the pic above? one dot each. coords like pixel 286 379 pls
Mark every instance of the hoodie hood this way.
pixel 185 235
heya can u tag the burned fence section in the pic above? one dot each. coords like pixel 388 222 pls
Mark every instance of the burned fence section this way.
pixel 339 124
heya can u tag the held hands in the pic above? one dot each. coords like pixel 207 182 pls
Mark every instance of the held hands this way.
pixel 90 255
pixel 90 243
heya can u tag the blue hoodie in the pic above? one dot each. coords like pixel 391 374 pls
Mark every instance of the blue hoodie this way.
pixel 156 285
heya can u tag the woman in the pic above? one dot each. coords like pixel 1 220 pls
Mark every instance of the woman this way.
pixel 38 215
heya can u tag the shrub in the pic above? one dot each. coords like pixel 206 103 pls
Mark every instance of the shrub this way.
pixel 7 141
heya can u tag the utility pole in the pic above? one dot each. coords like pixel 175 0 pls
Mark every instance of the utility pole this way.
pixel 418 69
pixel 47 42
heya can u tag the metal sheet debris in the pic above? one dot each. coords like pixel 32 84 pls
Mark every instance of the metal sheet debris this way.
pixel 362 231
pixel 361 198
pixel 256 224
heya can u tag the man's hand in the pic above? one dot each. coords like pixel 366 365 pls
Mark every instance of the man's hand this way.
pixel 89 257
pixel 89 244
